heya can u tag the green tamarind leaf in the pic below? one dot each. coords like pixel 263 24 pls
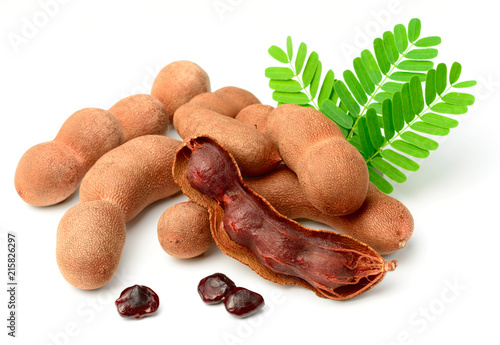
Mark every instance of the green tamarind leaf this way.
pixel 427 128
pixel 379 181
pixel 301 57
pixel 414 28
pixel 278 54
pixel 387 119
pixel 417 95
pixel 422 54
pixel 397 112
pixel 279 73
pixel 399 160
pixel 447 108
pixel 381 56
pixel 390 47
pixel 336 114
pixel 459 98
pixel 406 76
pixel 439 120
pixel 388 169
pixel 373 127
pixel 355 87
pixel 285 85
pixel 313 89
pixel 465 84
pixel 455 71
pixel 391 86
pixel 326 87
pixel 371 66
pixel 291 97
pixel 364 137
pixel 408 112
pixel 430 87
pixel 430 41
pixel 289 48
pixel 415 65
pixel 310 69
pixel 410 149
pixel 346 97
pixel 401 38
pixel 419 141
pixel 441 78
pixel 363 77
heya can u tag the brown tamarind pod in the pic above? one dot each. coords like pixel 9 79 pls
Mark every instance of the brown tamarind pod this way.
pixel 246 227
pixel 91 235
pixel 213 114
pixel 255 115
pixel 227 101
pixel 141 115
pixel 331 172
pixel 177 83
pixel 50 172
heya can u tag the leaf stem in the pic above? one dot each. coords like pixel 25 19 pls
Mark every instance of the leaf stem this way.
pixel 303 86
pixel 379 86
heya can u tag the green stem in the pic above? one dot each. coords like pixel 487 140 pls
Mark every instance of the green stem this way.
pixel 372 97
pixel 303 86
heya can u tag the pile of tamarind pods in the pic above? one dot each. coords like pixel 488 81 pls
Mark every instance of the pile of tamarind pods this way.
pixel 249 169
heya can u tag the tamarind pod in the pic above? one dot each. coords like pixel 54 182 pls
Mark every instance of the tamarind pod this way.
pixel 246 227
pixel 91 235
pixel 331 172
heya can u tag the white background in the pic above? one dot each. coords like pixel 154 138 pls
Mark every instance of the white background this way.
pixel 92 53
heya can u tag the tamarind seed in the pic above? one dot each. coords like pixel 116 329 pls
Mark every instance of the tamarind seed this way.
pixel 137 301
pixel 214 288
pixel 242 302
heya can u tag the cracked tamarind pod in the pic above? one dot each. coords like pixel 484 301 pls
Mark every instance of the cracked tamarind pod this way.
pixel 246 227
pixel 382 222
